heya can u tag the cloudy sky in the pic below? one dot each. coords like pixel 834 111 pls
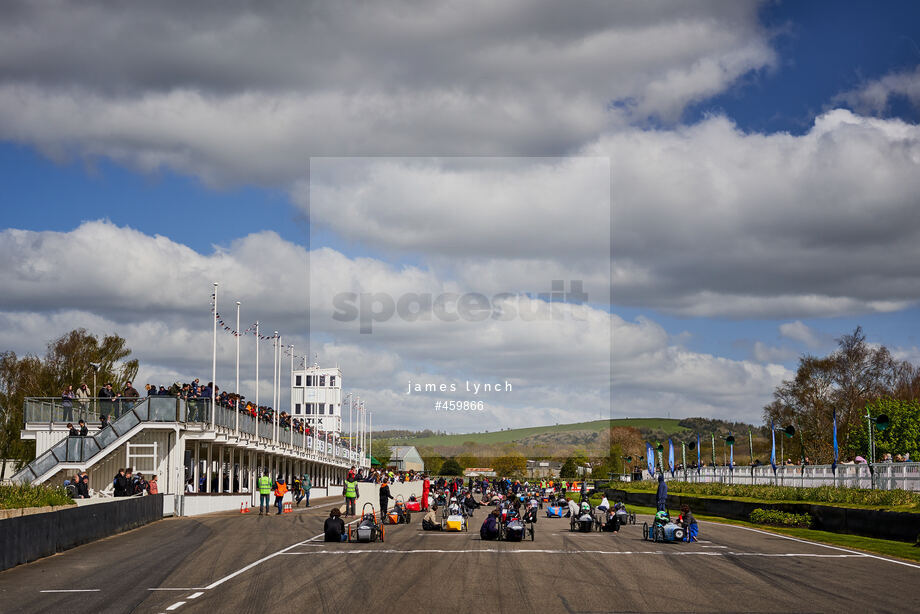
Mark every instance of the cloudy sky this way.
pixel 730 184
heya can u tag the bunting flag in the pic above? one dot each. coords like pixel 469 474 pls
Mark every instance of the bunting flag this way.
pixel 731 457
pixel 699 455
pixel 650 458
pixel 671 456
pixel 834 464
pixel 773 448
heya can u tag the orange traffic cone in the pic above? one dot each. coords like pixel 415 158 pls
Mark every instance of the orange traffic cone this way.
pixel 244 507
pixel 288 508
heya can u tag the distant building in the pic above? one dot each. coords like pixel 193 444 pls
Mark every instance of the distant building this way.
pixel 479 472
pixel 316 396
pixel 406 458
pixel 543 469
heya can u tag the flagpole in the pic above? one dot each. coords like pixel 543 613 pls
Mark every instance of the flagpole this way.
pixel 751 441
pixel 257 368
pixel 214 359
pixel 291 403
pixel 275 387
pixel 237 389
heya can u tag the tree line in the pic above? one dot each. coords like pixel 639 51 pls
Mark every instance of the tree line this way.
pixel 856 377
pixel 68 361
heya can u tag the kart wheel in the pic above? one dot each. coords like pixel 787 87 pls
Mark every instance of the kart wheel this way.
pixel 644 530
pixel 659 534
pixel 679 534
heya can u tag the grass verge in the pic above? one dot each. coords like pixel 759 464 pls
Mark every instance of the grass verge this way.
pixel 894 549
pixel 893 501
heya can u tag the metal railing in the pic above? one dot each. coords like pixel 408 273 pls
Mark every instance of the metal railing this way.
pixel 883 476
pixel 56 409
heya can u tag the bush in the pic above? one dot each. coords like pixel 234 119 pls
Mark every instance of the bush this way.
pixel 778 518
pixel 819 494
pixel 451 467
pixel 13 496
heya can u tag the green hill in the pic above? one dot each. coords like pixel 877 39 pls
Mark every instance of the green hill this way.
pixel 669 426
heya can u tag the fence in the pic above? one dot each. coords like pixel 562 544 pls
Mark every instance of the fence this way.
pixel 883 476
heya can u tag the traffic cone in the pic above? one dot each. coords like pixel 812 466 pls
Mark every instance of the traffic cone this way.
pixel 287 508
pixel 244 507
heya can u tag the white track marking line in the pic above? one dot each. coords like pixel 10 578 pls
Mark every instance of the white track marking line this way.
pixel 541 551
pixel 174 589
pixel 71 590
pixel 174 606
pixel 217 583
pixel 805 541
pixel 195 595
pixel 715 546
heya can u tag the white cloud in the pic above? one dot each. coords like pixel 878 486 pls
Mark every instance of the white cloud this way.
pixel 799 331
pixel 560 370
pixel 772 354
pixel 875 96
pixel 236 96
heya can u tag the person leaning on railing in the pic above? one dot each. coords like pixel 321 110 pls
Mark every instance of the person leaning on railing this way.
pixel 67 399
pixel 83 395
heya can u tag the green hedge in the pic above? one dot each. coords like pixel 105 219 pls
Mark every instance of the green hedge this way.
pixel 13 496
pixel 780 519
pixel 820 494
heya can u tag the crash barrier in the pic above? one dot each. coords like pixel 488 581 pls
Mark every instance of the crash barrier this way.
pixel 881 476
pixel 26 538
pixel 901 526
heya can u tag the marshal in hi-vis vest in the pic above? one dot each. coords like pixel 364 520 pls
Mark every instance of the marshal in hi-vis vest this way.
pixel 351 489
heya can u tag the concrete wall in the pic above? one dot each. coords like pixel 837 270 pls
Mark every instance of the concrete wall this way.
pixel 195 505
pixel 27 538
pixel 901 526
pixel 369 492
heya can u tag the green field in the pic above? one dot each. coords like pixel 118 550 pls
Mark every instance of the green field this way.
pixel 670 426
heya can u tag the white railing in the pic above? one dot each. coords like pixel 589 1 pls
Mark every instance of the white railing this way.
pixel 884 476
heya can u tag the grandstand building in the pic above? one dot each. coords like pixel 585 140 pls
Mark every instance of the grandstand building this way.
pixel 206 458
pixel 316 396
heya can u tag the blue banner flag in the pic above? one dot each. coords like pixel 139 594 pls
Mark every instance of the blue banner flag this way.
pixel 773 448
pixel 731 457
pixel 834 464
pixel 699 454
pixel 671 456
pixel 650 458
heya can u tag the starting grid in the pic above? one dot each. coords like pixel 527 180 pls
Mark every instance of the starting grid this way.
pixel 470 544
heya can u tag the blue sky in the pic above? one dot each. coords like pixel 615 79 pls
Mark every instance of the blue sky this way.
pixel 230 126
pixel 823 50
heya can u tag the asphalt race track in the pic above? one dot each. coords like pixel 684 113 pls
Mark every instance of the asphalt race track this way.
pixel 245 563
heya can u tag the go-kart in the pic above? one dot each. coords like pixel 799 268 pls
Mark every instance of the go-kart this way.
pixel 624 516
pixel 413 505
pixel 662 529
pixel 399 515
pixel 454 519
pixel 583 522
pixel 557 509
pixel 514 530
pixel 368 528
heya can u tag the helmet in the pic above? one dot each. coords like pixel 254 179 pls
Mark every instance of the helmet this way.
pixel 662 516
pixel 453 499
pixel 585 506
